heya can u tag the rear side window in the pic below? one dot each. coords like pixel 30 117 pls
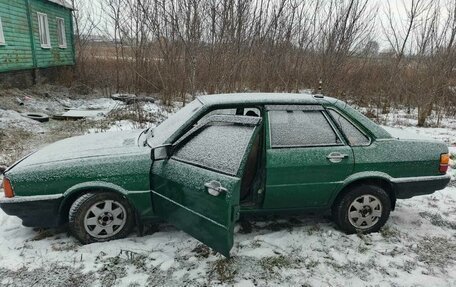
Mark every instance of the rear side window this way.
pixel 301 128
pixel 219 147
pixel 353 134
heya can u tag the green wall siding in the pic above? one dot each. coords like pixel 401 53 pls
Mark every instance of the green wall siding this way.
pixel 55 56
pixel 18 52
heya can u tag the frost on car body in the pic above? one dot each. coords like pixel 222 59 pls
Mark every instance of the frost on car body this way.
pixel 222 156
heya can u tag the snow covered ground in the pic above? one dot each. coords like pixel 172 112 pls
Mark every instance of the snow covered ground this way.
pixel 417 247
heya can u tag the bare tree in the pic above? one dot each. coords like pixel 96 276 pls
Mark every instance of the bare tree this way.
pixel 180 48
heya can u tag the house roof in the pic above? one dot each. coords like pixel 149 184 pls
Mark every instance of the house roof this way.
pixel 63 3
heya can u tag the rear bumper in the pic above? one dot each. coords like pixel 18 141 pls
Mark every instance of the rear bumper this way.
pixel 408 187
pixel 35 211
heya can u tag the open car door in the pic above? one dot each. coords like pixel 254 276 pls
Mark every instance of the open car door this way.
pixel 197 189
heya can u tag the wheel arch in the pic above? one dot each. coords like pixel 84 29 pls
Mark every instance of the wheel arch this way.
pixel 379 179
pixel 73 193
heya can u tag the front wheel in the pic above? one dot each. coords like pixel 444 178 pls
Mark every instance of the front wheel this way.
pixel 365 208
pixel 98 217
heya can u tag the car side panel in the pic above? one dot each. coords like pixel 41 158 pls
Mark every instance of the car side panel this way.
pixel 126 173
pixel 181 198
pixel 304 177
pixel 400 158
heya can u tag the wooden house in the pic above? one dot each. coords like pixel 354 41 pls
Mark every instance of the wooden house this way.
pixel 35 35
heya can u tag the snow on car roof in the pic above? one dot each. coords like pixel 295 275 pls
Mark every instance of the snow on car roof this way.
pixel 261 98
pixel 290 98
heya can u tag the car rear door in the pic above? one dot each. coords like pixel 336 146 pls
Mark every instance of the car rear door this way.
pixel 197 189
pixel 307 158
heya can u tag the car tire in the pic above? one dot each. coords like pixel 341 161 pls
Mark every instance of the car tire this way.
pixel 39 117
pixel 99 217
pixel 124 98
pixel 363 209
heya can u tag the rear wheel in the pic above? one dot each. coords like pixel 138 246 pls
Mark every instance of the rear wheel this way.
pixel 98 217
pixel 365 208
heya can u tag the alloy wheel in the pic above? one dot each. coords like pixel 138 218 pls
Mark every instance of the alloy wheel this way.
pixel 365 211
pixel 105 219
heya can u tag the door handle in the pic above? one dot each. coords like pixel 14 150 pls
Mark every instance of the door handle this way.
pixel 215 188
pixel 336 157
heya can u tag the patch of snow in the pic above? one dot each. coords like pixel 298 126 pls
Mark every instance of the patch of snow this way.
pixel 416 246
pixel 122 125
pixel 10 119
pixel 96 104
pixel 86 113
pixel 59 105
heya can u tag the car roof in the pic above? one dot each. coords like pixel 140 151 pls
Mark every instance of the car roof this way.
pixel 264 98
pixel 291 98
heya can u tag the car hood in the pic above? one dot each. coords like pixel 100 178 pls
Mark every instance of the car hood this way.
pixel 86 146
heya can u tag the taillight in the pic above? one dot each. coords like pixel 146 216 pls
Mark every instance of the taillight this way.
pixel 7 188
pixel 444 162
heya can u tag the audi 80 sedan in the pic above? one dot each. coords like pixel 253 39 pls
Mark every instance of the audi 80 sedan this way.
pixel 222 156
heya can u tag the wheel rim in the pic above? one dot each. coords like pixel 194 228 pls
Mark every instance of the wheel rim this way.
pixel 365 211
pixel 105 219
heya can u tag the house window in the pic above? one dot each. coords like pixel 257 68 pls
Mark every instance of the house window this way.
pixel 43 26
pixel 61 36
pixel 2 36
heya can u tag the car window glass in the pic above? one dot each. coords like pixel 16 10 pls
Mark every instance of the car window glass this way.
pixel 218 146
pixel 353 134
pixel 166 129
pixel 252 112
pixel 301 128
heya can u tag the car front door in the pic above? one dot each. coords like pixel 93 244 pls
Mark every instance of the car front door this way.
pixel 307 159
pixel 197 189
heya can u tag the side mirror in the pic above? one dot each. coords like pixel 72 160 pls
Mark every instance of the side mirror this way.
pixel 160 152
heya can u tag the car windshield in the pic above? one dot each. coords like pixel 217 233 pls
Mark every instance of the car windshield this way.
pixel 167 128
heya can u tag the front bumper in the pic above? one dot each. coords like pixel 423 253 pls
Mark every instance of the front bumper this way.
pixel 35 211
pixel 408 187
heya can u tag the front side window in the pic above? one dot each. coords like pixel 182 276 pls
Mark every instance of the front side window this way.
pixel 2 36
pixel 248 111
pixel 301 128
pixel 43 27
pixel 353 134
pixel 61 35
pixel 219 147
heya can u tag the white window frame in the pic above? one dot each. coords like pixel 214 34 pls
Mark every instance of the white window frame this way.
pixel 45 37
pixel 61 32
pixel 2 36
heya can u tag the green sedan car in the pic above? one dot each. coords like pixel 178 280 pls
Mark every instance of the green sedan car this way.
pixel 220 157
